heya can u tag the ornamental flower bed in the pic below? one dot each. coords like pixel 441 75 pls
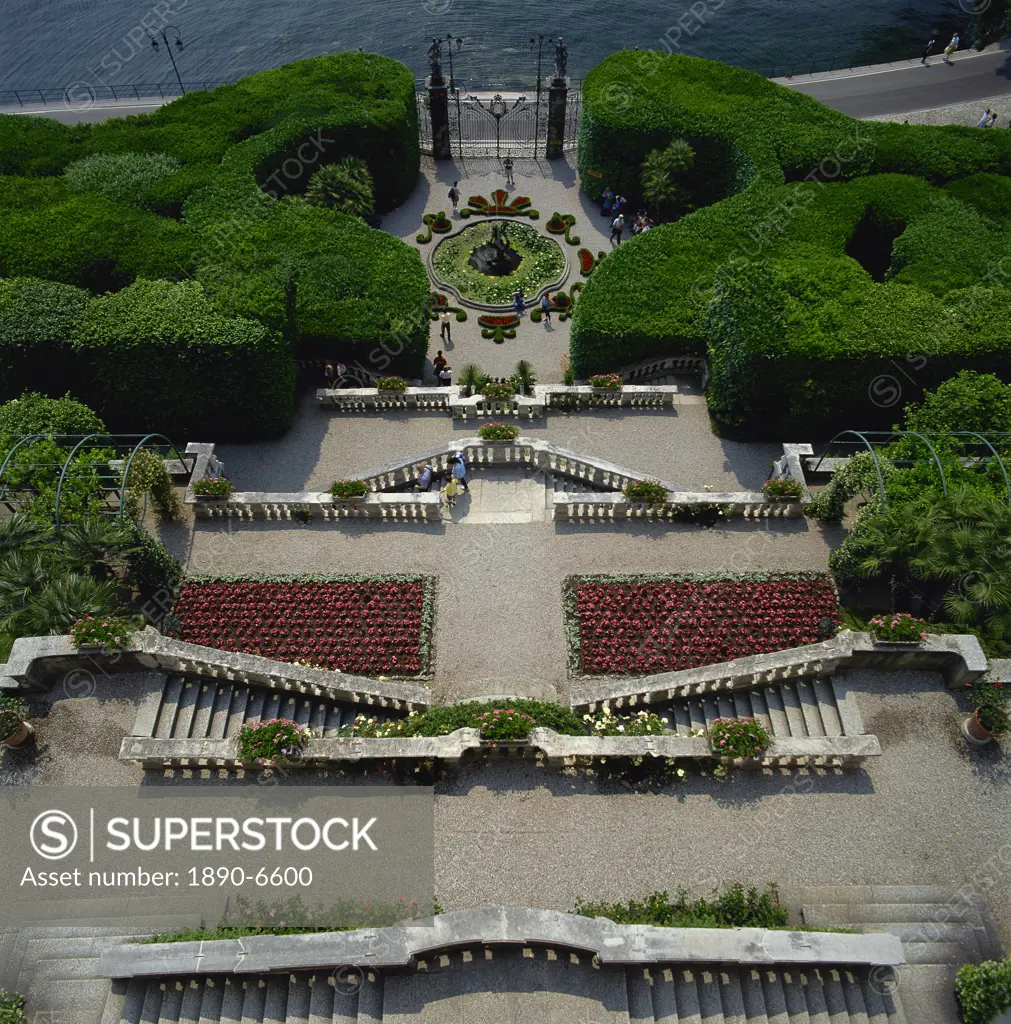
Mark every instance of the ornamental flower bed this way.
pixel 346 490
pixel 108 632
pixel 362 625
pixel 213 487
pixel 900 628
pixel 607 381
pixel 498 392
pixel 505 724
pixel 498 432
pixel 500 205
pixel 786 489
pixel 271 742
pixel 586 262
pixel 391 384
pixel 645 624
pixel 738 737
pixel 642 723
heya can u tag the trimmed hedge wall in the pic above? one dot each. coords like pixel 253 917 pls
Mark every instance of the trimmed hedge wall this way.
pixel 160 352
pixel 652 295
pixel 177 195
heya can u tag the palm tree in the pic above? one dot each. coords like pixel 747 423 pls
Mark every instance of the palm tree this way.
pixel 346 187
pixel 18 532
pixel 62 601
pixel 23 573
pixel 659 172
pixel 99 546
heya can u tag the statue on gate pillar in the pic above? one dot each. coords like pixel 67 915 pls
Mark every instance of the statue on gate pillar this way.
pixel 561 59
pixel 435 59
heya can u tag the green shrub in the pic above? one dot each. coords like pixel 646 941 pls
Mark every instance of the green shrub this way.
pixel 12 1008
pixel 345 186
pixel 271 742
pixel 983 990
pixel 33 413
pixel 734 908
pixel 498 432
pixel 122 177
pixel 991 700
pixel 345 490
pixel 650 491
pixel 504 724
pixel 213 375
pixel 441 721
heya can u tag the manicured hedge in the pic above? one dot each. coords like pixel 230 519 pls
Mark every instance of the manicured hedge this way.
pixel 651 297
pixel 37 323
pixel 160 354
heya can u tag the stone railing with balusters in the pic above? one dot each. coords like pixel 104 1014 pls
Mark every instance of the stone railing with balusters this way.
pixel 38 662
pixel 531 406
pixel 286 507
pixel 694 366
pixel 605 508
pixel 959 658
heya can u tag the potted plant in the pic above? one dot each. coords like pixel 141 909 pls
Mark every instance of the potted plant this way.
pixel 603 383
pixel 783 489
pixel 212 488
pixel 14 727
pixel 498 433
pixel 524 376
pixel 348 490
pixel 649 492
pixel 505 725
pixel 390 387
pixel 271 742
pixel 990 718
pixel 738 738
pixel 498 392
pixel 898 628
pixel 983 991
pixel 97 633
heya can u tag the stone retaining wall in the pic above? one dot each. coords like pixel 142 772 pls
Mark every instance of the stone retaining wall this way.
pixel 959 658
pixel 518 927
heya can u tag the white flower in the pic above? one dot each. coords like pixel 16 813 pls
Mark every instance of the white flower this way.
pixel 681 773
pixel 621 728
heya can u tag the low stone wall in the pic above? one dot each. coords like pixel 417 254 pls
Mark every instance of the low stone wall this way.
pixel 517 927
pixel 558 750
pixel 287 507
pixel 37 663
pixel 603 508
pixel 960 659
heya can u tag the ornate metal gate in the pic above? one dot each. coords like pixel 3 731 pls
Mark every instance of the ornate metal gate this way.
pixel 495 124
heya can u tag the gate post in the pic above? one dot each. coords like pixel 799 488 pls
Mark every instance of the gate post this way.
pixel 557 96
pixel 438 109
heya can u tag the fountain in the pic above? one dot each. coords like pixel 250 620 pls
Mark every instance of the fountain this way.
pixel 495 258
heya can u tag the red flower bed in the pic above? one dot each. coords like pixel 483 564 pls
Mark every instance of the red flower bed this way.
pixel 500 204
pixel 493 320
pixel 365 627
pixel 661 624
pixel 586 262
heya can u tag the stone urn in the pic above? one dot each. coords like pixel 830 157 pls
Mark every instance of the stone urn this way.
pixel 974 732
pixel 20 735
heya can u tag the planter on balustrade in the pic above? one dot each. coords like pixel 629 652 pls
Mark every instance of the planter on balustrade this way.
pixel 974 732
pixel 900 644
pixel 20 734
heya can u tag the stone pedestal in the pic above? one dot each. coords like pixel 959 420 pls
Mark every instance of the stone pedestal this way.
pixel 438 110
pixel 557 95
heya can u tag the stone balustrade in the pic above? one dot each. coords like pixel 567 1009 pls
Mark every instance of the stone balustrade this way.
pixel 694 366
pixel 556 749
pixel 402 945
pixel 959 658
pixel 38 662
pixel 602 508
pixel 285 507
pixel 370 399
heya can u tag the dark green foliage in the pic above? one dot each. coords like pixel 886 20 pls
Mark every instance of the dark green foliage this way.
pixel 737 907
pixel 33 413
pixel 983 990
pixel 214 375
pixel 346 187
pixel 443 720
pixel 12 1008
pixel 37 322
pixel 969 401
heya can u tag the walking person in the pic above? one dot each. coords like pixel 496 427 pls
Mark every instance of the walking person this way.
pixel 927 49
pixel 619 205
pixel 984 121
pixel 608 201
pixel 508 165
pixel 454 195
pixel 519 302
pixel 425 477
pixel 546 307
pixel 460 472
pixel 450 490
pixel 439 363
pixel 951 48
pixel 328 374
pixel 444 323
pixel 617 226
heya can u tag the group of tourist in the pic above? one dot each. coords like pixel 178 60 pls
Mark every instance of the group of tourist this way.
pixel 452 479
pixel 948 50
pixel 520 304
pixel 443 371
pixel 989 119
pixel 612 205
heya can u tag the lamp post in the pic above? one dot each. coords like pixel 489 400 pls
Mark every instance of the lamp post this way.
pixel 497 109
pixel 153 35
pixel 458 41
pixel 539 40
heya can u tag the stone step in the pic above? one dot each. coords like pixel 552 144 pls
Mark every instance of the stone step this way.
pixel 842 914
pixel 928 931
pixel 879 894
pixel 938 952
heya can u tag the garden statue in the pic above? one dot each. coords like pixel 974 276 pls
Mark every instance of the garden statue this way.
pixel 561 59
pixel 496 258
pixel 435 58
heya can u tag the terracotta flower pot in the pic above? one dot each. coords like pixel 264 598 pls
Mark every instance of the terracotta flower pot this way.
pixel 19 736
pixel 973 731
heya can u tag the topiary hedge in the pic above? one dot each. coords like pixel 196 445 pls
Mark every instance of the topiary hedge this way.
pixel 798 181
pixel 161 352
pixel 183 193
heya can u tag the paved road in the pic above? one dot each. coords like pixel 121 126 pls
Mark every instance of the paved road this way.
pixel 903 87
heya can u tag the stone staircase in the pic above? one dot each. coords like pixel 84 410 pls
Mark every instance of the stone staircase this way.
pixel 524 986
pixel 940 929
pixel 801 707
pixel 195 708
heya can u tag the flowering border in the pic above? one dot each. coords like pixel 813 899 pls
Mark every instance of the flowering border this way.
pixel 426 646
pixel 571 585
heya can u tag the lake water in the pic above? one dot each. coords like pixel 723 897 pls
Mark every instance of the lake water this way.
pixel 53 44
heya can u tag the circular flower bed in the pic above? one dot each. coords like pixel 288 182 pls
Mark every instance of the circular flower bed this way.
pixel 542 263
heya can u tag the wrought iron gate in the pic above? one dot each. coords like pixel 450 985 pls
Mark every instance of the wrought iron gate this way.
pixel 496 124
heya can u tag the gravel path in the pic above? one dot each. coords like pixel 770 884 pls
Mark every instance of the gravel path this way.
pixel 967 114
